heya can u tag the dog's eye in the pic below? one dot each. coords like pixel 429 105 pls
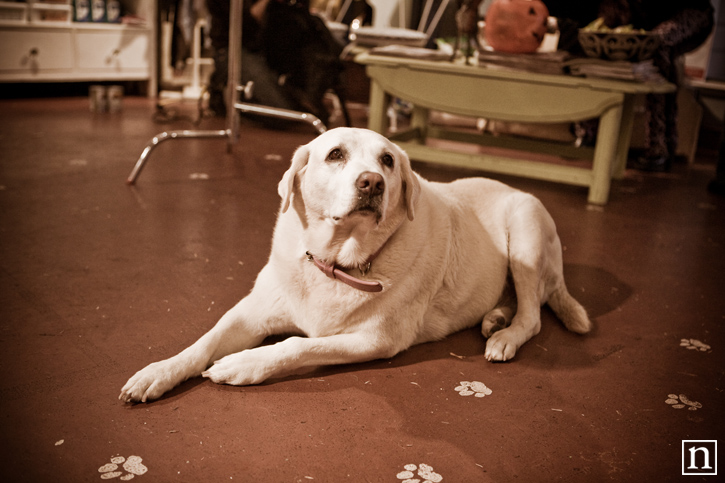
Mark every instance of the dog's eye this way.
pixel 387 160
pixel 335 155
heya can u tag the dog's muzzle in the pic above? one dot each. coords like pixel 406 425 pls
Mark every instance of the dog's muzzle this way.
pixel 370 184
pixel 370 190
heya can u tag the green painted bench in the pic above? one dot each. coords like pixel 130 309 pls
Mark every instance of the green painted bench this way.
pixel 516 96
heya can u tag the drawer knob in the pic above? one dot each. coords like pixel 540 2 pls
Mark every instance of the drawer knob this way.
pixel 31 58
pixel 114 55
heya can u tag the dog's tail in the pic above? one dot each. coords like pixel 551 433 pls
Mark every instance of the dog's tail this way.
pixel 571 313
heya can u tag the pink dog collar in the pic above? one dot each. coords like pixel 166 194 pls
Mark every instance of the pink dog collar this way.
pixel 336 273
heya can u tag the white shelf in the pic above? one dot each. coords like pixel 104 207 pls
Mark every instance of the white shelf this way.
pixel 68 51
pixel 75 25
pixel 13 13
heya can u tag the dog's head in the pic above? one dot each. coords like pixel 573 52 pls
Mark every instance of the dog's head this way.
pixel 349 172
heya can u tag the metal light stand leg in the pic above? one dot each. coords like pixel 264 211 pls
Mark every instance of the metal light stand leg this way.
pixel 234 70
pixel 283 114
pixel 233 89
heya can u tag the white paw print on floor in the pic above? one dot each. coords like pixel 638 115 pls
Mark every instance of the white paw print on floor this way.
pixel 423 471
pixel 681 401
pixel 475 388
pixel 132 466
pixel 694 345
pixel 198 176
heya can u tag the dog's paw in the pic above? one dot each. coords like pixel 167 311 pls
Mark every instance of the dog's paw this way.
pixel 151 382
pixel 497 319
pixel 501 346
pixel 240 369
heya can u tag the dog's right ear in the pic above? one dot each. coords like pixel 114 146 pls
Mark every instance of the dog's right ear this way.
pixel 411 185
pixel 286 187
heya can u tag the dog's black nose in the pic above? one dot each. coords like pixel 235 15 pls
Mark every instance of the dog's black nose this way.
pixel 370 183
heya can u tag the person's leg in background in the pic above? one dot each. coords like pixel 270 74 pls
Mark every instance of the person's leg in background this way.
pixel 683 33
pixel 219 36
pixel 717 185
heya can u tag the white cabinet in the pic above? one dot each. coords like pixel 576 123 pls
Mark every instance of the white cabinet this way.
pixel 37 51
pixel 112 52
pixel 30 52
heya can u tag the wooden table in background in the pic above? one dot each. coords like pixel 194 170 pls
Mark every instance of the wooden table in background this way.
pixel 516 96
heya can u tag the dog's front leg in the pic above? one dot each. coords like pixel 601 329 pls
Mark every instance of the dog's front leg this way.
pixel 236 330
pixel 256 365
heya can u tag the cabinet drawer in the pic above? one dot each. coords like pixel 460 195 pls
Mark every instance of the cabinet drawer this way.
pixel 112 51
pixel 35 51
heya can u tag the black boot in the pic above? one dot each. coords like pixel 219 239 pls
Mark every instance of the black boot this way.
pixel 717 185
pixel 218 83
pixel 661 164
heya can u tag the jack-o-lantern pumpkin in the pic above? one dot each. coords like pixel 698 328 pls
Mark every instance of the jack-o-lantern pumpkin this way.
pixel 516 26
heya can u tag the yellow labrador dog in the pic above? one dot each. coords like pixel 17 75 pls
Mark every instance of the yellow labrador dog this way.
pixel 368 259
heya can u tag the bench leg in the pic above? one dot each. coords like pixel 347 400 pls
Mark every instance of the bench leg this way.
pixel 378 116
pixel 604 153
pixel 625 137
pixel 419 122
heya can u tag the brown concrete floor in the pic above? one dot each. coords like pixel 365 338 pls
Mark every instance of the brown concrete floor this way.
pixel 98 279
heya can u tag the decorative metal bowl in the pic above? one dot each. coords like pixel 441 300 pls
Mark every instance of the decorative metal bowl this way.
pixel 630 46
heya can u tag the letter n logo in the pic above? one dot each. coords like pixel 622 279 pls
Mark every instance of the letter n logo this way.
pixel 699 457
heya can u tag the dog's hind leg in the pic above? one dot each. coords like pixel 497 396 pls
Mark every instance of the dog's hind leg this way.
pixel 497 319
pixel 501 316
pixel 571 313
pixel 508 331
pixel 532 239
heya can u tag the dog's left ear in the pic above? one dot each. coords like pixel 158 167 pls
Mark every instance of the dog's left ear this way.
pixel 411 185
pixel 286 187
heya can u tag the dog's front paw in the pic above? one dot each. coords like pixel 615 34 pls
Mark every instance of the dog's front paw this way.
pixel 239 369
pixel 502 346
pixel 151 382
